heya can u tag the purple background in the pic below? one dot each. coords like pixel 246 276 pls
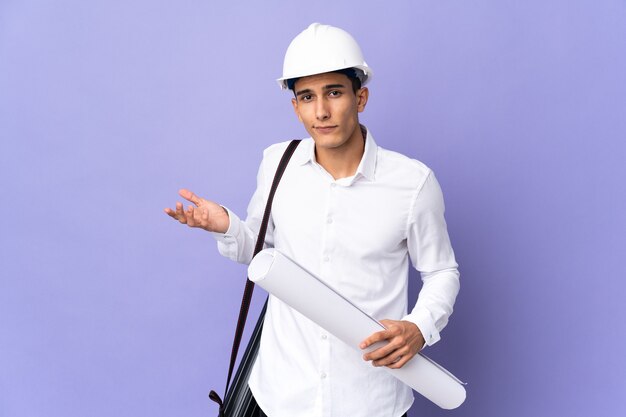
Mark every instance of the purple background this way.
pixel 107 108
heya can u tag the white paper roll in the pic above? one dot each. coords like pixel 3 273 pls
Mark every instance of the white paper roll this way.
pixel 298 288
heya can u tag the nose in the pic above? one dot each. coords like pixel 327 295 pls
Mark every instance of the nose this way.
pixel 322 112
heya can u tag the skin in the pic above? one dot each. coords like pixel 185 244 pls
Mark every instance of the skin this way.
pixel 328 108
pixel 204 214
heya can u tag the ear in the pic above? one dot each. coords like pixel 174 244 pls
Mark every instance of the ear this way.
pixel 362 96
pixel 294 103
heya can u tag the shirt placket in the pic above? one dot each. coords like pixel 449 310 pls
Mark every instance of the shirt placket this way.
pixel 327 259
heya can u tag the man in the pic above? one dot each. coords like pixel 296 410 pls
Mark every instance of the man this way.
pixel 353 214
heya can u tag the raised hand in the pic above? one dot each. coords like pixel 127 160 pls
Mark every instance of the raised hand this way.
pixel 206 214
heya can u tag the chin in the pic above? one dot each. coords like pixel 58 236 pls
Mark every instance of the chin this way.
pixel 328 143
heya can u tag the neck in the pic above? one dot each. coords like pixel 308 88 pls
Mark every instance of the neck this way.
pixel 343 162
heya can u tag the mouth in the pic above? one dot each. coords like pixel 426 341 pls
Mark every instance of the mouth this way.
pixel 324 129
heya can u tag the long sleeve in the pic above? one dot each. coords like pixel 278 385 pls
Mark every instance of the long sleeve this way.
pixel 432 255
pixel 335 229
pixel 239 240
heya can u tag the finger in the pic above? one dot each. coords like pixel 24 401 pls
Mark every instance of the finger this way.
pixel 376 337
pixel 205 217
pixel 390 356
pixel 180 214
pixel 382 353
pixel 170 213
pixel 388 360
pixel 401 362
pixel 191 221
pixel 197 217
pixel 188 195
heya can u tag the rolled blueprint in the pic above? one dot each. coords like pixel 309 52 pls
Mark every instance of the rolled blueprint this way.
pixel 301 290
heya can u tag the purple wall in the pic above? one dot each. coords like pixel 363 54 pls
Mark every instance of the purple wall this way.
pixel 108 308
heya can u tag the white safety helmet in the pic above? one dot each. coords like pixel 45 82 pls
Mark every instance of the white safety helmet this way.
pixel 323 48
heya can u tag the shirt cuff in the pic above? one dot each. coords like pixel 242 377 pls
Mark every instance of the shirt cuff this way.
pixel 233 228
pixel 422 319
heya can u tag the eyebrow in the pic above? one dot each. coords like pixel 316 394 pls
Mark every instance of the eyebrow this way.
pixel 326 87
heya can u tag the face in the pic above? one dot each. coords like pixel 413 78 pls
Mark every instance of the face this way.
pixel 328 108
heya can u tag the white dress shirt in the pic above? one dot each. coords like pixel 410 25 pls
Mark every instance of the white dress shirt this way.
pixel 358 235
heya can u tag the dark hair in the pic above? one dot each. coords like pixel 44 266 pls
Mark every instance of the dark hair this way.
pixel 351 73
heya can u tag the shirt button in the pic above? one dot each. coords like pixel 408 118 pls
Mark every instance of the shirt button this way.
pixel 326 258
pixel 323 375
pixel 329 220
pixel 324 337
pixel 333 185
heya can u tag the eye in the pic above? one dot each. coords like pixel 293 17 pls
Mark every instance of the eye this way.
pixel 334 93
pixel 306 97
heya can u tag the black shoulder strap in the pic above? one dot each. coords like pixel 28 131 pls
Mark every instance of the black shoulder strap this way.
pixel 249 289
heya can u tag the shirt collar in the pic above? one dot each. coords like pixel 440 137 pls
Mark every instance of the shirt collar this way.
pixel 305 152
pixel 367 166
